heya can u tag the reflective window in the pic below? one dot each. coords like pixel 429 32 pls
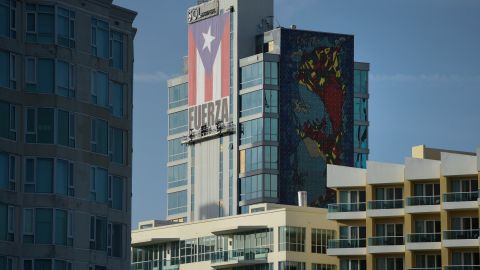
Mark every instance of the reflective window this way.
pixel 100 38
pixel 117 192
pixel 389 263
pixel 65 79
pixel 360 107
pixel 8 70
pixel 117 49
pixel 8 263
pixel 251 131
pixel 347 264
pixel 40 75
pixel 99 185
pixel 98 233
pixel 7 171
pixel 177 202
pixel 48 226
pixel 360 133
pixel 65 27
pixel 7 222
pixel 40 23
pixel 360 160
pixel 251 103
pixel 251 75
pixel 291 239
pixel 40 125
pixel 271 129
pixel 291 265
pixel 99 136
pixel 177 175
pixel 99 88
pixel 8 121
pixel 271 73
pixel 361 81
pixel 7 18
pixel 320 239
pixel 66 128
pixel 271 157
pixel 323 266
pixel 178 95
pixel 264 157
pixel 178 122
pixel 259 186
pixel 117 98
pixel 176 150
pixel 40 176
pixel 117 145
pixel 271 101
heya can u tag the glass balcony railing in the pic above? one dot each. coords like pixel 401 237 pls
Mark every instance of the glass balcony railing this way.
pixel 248 254
pixel 156 265
pixel 385 204
pixel 460 196
pixel 424 237
pixel 346 207
pixel 423 200
pixel 462 267
pixel 425 268
pixel 461 234
pixel 347 243
pixel 386 241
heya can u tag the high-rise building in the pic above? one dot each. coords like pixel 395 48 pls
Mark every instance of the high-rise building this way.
pixel 66 72
pixel 260 112
pixel 419 215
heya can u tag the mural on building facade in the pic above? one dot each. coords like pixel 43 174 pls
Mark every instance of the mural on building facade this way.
pixel 316 100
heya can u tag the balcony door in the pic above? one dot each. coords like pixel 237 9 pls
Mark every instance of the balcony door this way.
pixel 353 196
pixel 427 190
pixel 352 232
pixel 427 226
pixel 388 194
pixel 465 223
pixel 464 185
pixel 465 258
pixel 430 261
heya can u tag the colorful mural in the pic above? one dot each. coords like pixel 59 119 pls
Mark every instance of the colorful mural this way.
pixel 316 107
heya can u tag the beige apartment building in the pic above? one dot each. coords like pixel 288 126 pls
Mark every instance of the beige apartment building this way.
pixel 66 72
pixel 270 236
pixel 419 215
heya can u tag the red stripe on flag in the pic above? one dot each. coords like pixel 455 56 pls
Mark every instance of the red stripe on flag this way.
pixel 208 86
pixel 226 58
pixel 192 70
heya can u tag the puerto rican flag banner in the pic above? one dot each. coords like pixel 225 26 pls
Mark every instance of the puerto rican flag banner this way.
pixel 209 59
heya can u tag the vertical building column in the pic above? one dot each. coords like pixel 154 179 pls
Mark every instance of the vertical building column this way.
pixel 369 225
pixel 444 220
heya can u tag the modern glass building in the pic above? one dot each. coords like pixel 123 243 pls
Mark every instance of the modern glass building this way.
pixel 66 71
pixel 260 112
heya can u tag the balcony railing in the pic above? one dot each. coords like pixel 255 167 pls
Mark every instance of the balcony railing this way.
pixel 460 196
pixel 423 200
pixel 347 243
pixel 385 204
pixel 248 254
pixel 462 267
pixel 386 241
pixel 156 265
pixel 425 268
pixel 424 237
pixel 346 207
pixel 461 234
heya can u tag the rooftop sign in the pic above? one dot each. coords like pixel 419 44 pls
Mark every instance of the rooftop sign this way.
pixel 202 11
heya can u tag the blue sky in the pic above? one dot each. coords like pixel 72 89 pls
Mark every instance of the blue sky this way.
pixel 424 80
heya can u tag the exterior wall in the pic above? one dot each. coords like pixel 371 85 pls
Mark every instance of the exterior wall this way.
pixel 316 121
pixel 79 203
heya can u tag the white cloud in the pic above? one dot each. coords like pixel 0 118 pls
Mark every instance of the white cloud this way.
pixel 424 78
pixel 151 77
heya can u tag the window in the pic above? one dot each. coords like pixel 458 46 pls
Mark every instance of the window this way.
pixel 251 103
pixel 100 38
pixel 177 203
pixel 66 128
pixel 7 171
pixel 6 262
pixel 178 122
pixel 97 267
pixel 98 233
pixel 7 18
pixel 387 234
pixel 323 266
pixel 99 185
pixel 178 95
pixel 46 264
pixel 65 83
pixel 251 75
pixel 206 248
pixel 428 261
pixel 464 185
pixel 177 175
pixel 65 27
pixel 352 196
pixel 320 239
pixel 40 125
pixel 361 81
pixel 99 88
pixel 47 226
pixel 361 160
pixel 7 69
pixel 271 101
pixel 188 251
pixel 290 265
pixel 47 175
pixel 390 263
pixel 464 224
pixel 40 23
pixel 8 121
pixel 271 129
pixel 360 136
pixel 176 150
pixel 117 99
pixel 271 157
pixel 464 258
pixel 348 264
pixel 7 222
pixel 291 239
pixel 257 158
pixel 251 131
pixel 99 136
pixel 117 145
pixel 116 40
pixel 271 73
pixel 115 239
pixel 116 193
pixel 388 194
pixel 360 106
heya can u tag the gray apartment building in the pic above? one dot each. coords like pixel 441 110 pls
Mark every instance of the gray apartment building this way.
pixel 66 72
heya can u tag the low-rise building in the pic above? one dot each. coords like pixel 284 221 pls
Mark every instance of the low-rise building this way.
pixel 419 215
pixel 270 236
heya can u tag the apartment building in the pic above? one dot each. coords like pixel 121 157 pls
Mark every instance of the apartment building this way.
pixel 422 214
pixel 270 237
pixel 66 71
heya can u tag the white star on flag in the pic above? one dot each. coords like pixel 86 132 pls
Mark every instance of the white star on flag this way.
pixel 208 39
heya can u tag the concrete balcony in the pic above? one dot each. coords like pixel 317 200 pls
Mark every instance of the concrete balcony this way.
pixel 461 238
pixel 347 247
pixel 460 200
pixel 156 265
pixel 236 258
pixel 424 241
pixel 422 204
pixel 346 211
pixel 386 244
pixel 385 208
